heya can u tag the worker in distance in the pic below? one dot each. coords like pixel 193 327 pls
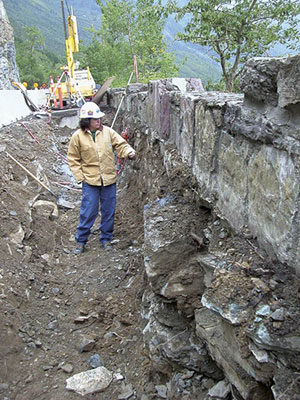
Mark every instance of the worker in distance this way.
pixel 91 159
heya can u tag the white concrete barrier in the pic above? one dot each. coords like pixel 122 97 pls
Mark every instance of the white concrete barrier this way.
pixel 13 106
pixel 39 97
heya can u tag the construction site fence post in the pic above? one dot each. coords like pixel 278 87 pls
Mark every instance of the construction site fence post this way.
pixel 123 95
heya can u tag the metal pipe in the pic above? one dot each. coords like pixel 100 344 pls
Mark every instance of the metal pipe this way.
pixel 123 95
pixel 64 18
pixel 29 131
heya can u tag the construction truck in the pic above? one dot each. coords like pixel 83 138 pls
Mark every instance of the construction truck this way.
pixel 74 86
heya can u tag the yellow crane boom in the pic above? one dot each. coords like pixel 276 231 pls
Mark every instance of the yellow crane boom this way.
pixel 78 81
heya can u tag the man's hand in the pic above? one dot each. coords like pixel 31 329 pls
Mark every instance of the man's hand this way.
pixel 132 155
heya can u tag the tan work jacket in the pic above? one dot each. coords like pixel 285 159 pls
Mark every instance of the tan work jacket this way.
pixel 93 162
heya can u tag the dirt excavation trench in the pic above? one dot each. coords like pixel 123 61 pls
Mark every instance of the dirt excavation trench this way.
pixel 58 310
pixel 63 314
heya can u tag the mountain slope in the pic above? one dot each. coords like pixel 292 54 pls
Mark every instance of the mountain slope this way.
pixel 46 15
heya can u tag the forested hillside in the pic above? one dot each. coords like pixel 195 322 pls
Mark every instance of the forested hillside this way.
pixel 46 15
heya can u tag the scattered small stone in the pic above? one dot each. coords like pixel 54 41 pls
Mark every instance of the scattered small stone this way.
pixel 67 368
pixel 96 361
pixel 273 284
pixel 199 377
pixel 208 383
pixel 181 383
pixel 278 315
pixel 46 257
pixel 161 391
pixel 80 319
pixel 223 235
pixel 55 291
pixel 261 355
pixel 4 386
pixel 53 325
pixel 220 391
pixel 188 375
pixel 263 311
pixel 109 335
pixel 85 343
pixel 127 393
pixel 47 367
pixel 118 376
pixel 29 379
pixel 62 203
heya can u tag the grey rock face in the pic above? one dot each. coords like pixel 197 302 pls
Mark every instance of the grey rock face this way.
pixel 239 156
pixel 171 342
pixel 259 80
pixel 272 80
pixel 8 66
pixel 289 73
pixel 167 250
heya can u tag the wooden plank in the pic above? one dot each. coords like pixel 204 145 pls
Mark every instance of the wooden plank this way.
pixel 101 92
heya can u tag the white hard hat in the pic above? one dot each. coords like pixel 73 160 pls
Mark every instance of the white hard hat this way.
pixel 90 110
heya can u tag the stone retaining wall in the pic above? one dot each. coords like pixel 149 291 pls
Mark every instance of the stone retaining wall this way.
pixel 242 149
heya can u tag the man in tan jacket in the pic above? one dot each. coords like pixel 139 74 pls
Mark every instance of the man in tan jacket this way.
pixel 91 160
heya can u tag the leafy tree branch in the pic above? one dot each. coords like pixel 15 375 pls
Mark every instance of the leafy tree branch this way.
pixel 237 30
pixel 129 29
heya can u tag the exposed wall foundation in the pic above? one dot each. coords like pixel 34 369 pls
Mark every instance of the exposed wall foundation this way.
pixel 219 183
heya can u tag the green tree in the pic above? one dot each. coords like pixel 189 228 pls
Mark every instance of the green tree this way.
pixel 34 63
pixel 238 29
pixel 109 52
pixel 149 43
pixel 126 30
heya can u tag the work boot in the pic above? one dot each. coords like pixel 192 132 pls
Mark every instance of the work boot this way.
pixel 106 245
pixel 79 248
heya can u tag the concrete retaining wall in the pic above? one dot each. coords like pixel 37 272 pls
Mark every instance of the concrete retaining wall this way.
pixel 13 106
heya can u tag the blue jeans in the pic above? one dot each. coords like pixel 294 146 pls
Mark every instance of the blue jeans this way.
pixel 89 209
